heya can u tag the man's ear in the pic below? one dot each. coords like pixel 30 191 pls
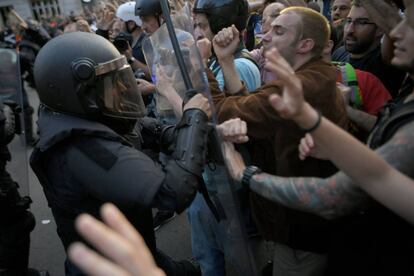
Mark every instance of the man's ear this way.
pixel 305 46
pixel 327 50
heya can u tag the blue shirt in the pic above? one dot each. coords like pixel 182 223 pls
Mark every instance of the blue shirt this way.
pixel 247 71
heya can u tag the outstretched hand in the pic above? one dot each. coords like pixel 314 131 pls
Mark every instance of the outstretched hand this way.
pixel 226 42
pixel 384 13
pixel 125 250
pixel 106 19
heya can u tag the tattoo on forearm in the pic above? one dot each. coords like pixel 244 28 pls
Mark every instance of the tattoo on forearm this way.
pixel 399 150
pixel 330 198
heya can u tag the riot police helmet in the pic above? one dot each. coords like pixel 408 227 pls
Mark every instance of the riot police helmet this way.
pixel 84 75
pixel 148 8
pixel 223 13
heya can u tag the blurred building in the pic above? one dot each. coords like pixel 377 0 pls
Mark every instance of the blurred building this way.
pixel 38 9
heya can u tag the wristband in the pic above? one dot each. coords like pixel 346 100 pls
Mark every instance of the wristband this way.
pixel 248 174
pixel 316 125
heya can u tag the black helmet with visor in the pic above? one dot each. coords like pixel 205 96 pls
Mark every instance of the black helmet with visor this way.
pixel 83 74
pixel 223 13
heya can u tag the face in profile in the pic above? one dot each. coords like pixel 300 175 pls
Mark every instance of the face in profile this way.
pixel 403 37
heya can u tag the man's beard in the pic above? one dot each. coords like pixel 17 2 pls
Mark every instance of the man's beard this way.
pixel 358 47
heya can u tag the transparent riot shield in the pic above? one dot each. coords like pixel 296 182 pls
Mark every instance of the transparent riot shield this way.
pixel 160 57
pixel 183 78
pixel 12 96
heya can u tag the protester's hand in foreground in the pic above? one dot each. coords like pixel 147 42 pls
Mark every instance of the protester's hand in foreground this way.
pixel 124 249
pixel 291 103
pixel 384 13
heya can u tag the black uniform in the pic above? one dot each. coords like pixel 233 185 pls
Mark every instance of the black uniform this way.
pixel 82 164
pixel 16 222
pixel 89 151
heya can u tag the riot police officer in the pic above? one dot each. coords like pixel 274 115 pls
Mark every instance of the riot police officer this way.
pixel 90 144
pixel 16 221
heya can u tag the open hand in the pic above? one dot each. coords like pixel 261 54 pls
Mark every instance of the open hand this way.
pixel 106 19
pixel 290 104
pixel 384 13
pixel 125 250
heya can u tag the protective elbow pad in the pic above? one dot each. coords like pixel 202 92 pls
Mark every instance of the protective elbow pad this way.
pixel 191 140
pixel 183 185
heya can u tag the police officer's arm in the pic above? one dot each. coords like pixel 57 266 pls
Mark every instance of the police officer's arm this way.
pixel 129 178
pixel 339 195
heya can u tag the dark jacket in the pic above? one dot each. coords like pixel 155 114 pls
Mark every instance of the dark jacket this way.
pixel 82 164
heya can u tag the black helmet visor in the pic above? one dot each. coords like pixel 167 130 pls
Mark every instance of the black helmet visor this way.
pixel 119 94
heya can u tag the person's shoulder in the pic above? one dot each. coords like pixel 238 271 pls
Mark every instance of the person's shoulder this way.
pixel 246 59
pixel 340 54
pixel 318 66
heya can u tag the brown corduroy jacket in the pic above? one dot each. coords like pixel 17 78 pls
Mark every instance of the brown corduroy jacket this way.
pixel 275 222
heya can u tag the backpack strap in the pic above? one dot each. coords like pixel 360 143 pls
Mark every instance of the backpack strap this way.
pixel 349 78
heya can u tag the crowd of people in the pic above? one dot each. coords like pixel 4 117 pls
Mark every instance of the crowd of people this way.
pixel 314 110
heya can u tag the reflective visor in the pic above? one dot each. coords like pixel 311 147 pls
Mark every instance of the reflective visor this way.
pixel 119 94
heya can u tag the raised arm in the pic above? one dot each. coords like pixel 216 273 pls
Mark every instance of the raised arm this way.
pixel 225 44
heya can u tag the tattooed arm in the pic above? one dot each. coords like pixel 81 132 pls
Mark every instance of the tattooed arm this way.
pixel 340 194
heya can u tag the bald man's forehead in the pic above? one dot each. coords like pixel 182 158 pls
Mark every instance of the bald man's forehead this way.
pixel 273 10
